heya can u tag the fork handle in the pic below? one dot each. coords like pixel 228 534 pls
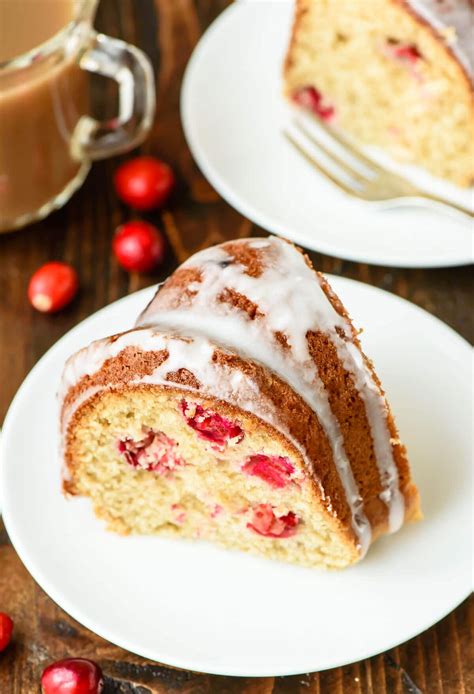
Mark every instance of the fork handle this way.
pixel 447 204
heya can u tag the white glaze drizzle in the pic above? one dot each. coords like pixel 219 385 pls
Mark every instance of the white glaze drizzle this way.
pixel 293 303
pixel 443 15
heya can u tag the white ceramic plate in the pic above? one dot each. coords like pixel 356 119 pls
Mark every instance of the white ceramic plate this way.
pixel 233 115
pixel 195 606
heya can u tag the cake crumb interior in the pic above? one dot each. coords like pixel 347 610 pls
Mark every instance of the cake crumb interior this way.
pixel 205 493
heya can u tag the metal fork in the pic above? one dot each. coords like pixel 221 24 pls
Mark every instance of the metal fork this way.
pixel 376 185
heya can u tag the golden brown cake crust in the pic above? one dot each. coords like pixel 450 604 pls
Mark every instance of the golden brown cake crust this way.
pixel 407 487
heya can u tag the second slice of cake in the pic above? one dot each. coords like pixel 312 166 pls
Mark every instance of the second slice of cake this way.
pixel 397 74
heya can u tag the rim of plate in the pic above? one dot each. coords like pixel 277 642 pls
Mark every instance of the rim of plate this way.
pixel 101 629
pixel 248 209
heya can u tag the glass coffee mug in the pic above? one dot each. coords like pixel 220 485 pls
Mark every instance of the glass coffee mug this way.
pixel 47 137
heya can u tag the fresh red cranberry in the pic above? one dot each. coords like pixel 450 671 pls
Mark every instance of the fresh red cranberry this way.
pixel 53 286
pixel 212 427
pixel 264 522
pixel 138 246
pixel 155 452
pixel 72 676
pixel 273 469
pixel 144 182
pixel 311 99
pixel 6 629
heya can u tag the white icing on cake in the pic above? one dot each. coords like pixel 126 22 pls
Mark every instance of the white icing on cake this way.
pixel 289 295
pixel 445 15
pixel 293 302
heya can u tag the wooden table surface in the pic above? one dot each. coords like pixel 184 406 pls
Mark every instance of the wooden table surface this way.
pixel 438 661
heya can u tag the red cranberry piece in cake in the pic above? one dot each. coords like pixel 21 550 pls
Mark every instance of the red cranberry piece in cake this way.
pixel 155 452
pixel 266 523
pixel 311 99
pixel 406 53
pixel 212 427
pixel 273 469
pixel 179 513
pixel 216 511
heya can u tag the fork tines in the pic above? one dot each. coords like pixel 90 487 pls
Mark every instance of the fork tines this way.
pixel 337 158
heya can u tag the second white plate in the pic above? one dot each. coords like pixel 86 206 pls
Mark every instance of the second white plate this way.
pixel 198 607
pixel 233 114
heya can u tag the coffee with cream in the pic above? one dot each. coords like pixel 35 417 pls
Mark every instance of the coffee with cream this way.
pixel 48 139
pixel 40 105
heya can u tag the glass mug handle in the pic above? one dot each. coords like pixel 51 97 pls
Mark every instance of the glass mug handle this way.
pixel 132 71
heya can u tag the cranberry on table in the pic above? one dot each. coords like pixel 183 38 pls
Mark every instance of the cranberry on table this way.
pixel 6 628
pixel 144 183
pixel 52 287
pixel 138 246
pixel 72 676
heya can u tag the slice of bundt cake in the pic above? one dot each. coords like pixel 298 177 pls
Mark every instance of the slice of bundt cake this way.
pixel 397 74
pixel 240 409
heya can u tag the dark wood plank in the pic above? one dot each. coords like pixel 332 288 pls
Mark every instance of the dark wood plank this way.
pixel 441 659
